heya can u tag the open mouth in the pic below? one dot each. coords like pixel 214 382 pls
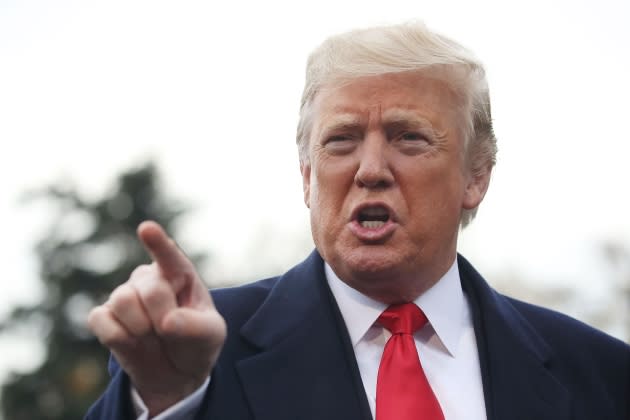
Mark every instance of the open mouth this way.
pixel 373 217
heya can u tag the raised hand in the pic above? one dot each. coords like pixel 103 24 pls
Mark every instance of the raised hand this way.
pixel 161 325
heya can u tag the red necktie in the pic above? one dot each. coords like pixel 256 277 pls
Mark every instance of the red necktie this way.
pixel 402 389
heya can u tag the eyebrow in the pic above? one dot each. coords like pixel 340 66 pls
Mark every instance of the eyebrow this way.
pixel 407 118
pixel 340 122
pixel 404 117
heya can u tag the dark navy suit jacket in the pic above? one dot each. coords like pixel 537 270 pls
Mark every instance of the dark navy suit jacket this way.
pixel 288 356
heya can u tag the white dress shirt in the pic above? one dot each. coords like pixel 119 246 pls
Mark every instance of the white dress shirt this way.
pixel 446 346
pixel 183 410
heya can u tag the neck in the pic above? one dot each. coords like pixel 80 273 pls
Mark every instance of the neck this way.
pixel 394 287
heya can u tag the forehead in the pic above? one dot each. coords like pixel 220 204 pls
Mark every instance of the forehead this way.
pixel 423 95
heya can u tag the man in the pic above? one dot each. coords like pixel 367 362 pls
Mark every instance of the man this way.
pixel 384 319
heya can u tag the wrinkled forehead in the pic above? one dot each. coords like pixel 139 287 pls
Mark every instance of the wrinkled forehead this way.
pixel 430 95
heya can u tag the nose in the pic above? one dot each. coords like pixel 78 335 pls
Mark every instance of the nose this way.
pixel 374 171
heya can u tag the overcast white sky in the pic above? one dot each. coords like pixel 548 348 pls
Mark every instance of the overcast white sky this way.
pixel 211 91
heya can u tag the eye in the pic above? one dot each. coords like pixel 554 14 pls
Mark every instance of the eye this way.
pixel 340 143
pixel 412 142
pixel 413 136
pixel 338 138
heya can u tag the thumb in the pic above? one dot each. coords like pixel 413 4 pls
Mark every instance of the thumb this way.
pixel 205 325
pixel 194 339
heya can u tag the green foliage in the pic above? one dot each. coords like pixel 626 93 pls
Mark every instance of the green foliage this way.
pixel 91 247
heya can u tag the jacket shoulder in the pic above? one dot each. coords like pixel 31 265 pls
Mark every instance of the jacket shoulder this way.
pixel 559 329
pixel 237 304
pixel 582 354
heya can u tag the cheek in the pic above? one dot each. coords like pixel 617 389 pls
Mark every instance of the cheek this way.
pixel 434 194
pixel 332 180
pixel 322 199
pixel 329 189
pixel 319 197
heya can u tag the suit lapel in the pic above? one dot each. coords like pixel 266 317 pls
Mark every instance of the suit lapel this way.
pixel 515 361
pixel 306 367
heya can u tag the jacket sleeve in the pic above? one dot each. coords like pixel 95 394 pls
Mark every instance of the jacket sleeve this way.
pixel 115 403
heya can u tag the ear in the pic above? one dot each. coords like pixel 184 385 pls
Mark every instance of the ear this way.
pixel 305 169
pixel 476 187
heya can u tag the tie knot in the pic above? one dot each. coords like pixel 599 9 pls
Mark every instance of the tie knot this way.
pixel 405 318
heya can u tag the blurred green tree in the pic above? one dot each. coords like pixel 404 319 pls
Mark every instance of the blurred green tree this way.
pixel 90 248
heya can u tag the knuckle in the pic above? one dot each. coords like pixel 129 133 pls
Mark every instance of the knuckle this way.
pixel 94 318
pixel 155 295
pixel 122 298
pixel 109 334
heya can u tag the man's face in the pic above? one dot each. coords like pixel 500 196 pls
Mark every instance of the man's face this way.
pixel 386 182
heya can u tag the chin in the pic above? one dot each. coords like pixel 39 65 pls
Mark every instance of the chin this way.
pixel 372 264
pixel 386 275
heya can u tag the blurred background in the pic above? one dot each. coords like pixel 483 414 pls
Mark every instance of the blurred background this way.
pixel 185 112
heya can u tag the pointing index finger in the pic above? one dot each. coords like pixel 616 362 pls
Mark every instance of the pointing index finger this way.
pixel 164 251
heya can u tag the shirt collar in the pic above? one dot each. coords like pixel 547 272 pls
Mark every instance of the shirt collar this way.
pixel 443 304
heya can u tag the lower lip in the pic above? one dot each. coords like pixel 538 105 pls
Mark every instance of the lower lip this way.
pixel 372 234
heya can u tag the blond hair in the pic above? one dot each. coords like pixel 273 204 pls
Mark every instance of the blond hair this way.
pixel 405 48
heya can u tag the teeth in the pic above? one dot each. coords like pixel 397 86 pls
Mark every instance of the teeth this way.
pixel 372 224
